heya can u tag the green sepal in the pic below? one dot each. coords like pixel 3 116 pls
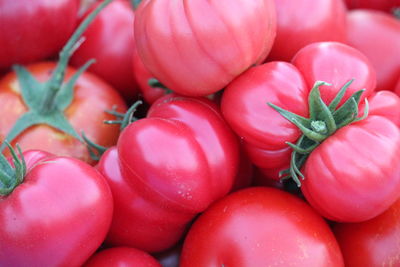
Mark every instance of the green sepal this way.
pixel 47 101
pixel 323 122
pixel 124 119
pixel 65 96
pixel 95 150
pixel 11 176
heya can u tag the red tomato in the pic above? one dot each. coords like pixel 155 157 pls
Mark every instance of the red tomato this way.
pixel 397 87
pixel 385 5
pixel 244 107
pixel 122 256
pixel 86 113
pixel 372 243
pixel 197 47
pixel 58 216
pixel 303 22
pixel 185 157
pixel 263 130
pixel 353 175
pixel 260 227
pixel 34 30
pixel 109 40
pixel 377 35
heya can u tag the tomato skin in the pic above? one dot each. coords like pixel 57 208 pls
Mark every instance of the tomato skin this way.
pixel 58 216
pixel 371 243
pixel 142 75
pixel 335 63
pixel 244 106
pixel 184 158
pixel 304 22
pixel 384 5
pixel 196 48
pixel 349 181
pixel 260 227
pixel 92 96
pixel 376 35
pixel 121 256
pixel 34 30
pixel 384 103
pixel 109 40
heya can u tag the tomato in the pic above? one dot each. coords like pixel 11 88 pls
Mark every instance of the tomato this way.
pixel 353 175
pixel 372 243
pixel 196 48
pixel 264 132
pixel 122 256
pixel 260 227
pixel 167 168
pixel 109 40
pixel 303 22
pixel 377 35
pixel 384 5
pixel 58 216
pixel 34 30
pixel 86 113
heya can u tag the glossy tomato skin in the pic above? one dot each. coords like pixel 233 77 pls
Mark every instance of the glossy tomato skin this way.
pixel 384 103
pixel 353 175
pixel 167 168
pixel 303 22
pixel 196 48
pixel 122 256
pixel 34 30
pixel 264 132
pixel 384 5
pixel 377 35
pixel 110 40
pixel 371 243
pixel 58 216
pixel 335 63
pixel 260 227
pixel 86 113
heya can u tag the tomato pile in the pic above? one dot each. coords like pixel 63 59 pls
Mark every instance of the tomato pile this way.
pixel 203 133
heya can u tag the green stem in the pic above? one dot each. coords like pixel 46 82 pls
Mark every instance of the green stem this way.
pixel 57 78
pixel 11 179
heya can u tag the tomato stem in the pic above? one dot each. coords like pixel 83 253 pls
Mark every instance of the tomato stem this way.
pixel 323 122
pixel 11 176
pixel 47 101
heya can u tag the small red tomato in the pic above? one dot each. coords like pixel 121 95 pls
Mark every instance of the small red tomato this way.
pixel 260 227
pixel 34 30
pixel 57 216
pixel 122 256
pixel 372 243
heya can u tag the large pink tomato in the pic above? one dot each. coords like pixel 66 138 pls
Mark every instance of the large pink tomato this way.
pixel 166 169
pixel 197 47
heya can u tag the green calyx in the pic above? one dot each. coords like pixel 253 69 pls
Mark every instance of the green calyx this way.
pixel 11 176
pixel 135 3
pixel 323 122
pixel 47 101
pixel 396 12
pixel 123 119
